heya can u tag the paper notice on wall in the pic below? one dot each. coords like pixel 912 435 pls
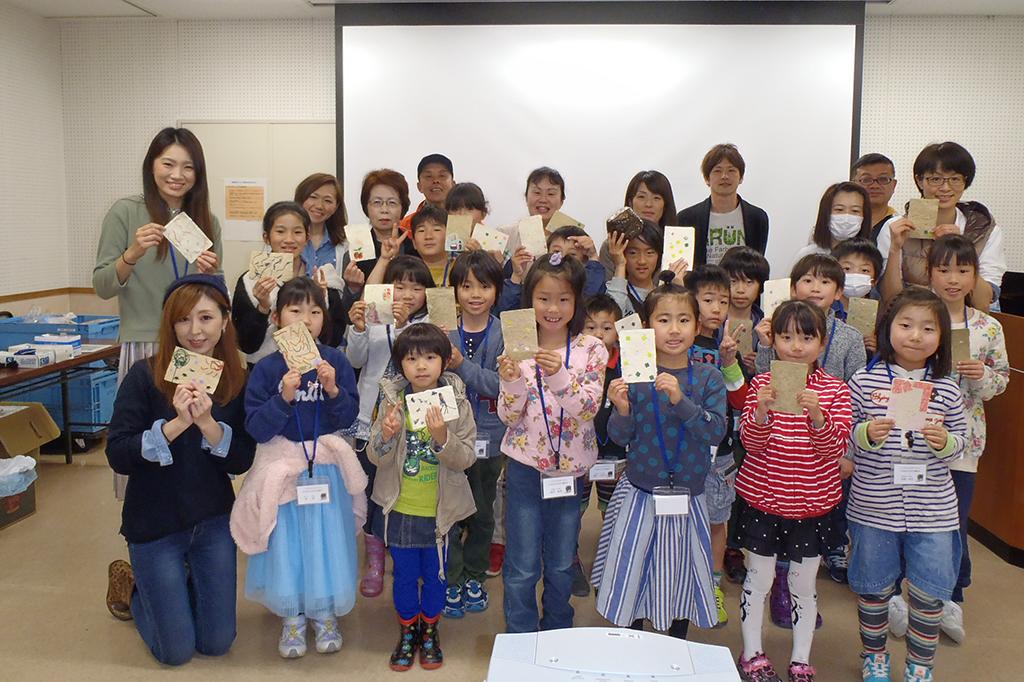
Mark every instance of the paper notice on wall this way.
pixel 245 199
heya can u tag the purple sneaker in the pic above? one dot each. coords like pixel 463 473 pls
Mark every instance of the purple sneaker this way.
pixel 781 605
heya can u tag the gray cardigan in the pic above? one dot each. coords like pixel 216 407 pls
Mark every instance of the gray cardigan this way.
pixel 845 356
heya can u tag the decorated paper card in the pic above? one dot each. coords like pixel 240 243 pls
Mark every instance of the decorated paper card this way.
pixel 380 299
pixel 908 403
pixel 279 266
pixel 531 235
pixel 519 330
pixel 924 213
pixel 360 242
pixel 743 332
pixel 788 380
pixel 186 366
pixel 188 239
pixel 441 307
pixel 679 244
pixel 629 322
pixel 419 403
pixel 776 291
pixel 298 347
pixel 862 314
pixel 490 240
pixel 639 356
pixel 626 221
pixel 559 219
pixel 961 345
pixel 457 232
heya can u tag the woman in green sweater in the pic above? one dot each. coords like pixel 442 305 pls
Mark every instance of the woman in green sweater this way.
pixel 133 260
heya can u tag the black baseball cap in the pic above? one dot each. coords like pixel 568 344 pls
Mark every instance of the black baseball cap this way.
pixel 439 159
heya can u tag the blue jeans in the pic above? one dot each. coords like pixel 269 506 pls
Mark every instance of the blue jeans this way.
pixel 963 482
pixel 411 566
pixel 878 559
pixel 540 537
pixel 184 600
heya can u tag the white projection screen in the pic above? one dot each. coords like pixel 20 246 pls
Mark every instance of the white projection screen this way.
pixel 601 102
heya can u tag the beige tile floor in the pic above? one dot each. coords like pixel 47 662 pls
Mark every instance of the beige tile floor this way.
pixel 54 626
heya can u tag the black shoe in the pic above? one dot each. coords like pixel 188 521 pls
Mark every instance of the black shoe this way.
pixel 735 569
pixel 431 656
pixel 408 641
pixel 580 584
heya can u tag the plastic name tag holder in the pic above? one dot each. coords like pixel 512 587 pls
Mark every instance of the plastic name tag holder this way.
pixel 316 490
pixel 480 445
pixel 671 501
pixel 557 484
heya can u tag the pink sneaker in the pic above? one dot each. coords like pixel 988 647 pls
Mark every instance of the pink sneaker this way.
pixel 801 672
pixel 372 583
pixel 757 669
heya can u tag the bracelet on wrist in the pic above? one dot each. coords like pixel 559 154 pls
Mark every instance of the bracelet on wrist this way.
pixel 126 261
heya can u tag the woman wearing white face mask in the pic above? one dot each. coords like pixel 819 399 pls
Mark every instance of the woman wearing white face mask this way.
pixel 844 213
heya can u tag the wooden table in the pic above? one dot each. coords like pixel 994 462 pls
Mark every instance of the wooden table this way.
pixel 16 381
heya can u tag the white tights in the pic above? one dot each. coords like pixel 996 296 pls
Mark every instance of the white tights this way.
pixel 760 575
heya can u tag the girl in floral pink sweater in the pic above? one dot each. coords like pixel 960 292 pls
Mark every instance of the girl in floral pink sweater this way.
pixel 549 403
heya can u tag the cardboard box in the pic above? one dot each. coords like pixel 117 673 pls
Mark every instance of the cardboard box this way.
pixel 29 358
pixel 23 428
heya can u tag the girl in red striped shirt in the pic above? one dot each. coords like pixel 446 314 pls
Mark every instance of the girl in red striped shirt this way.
pixel 789 488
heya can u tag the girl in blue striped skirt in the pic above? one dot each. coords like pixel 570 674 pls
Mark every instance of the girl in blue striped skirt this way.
pixel 654 557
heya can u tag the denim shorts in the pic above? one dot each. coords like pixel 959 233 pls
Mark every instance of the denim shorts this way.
pixel 880 557
pixel 720 491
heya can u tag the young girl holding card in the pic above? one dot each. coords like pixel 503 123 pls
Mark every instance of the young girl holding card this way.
pixel 285 230
pixel 549 403
pixel 654 556
pixel 369 349
pixel 299 507
pixel 789 488
pixel 421 486
pixel 902 507
pixel 177 446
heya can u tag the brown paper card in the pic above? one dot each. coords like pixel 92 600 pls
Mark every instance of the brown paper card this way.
pixel 519 330
pixel 788 380
pixel 187 237
pixel 298 347
pixel 441 307
pixel 626 221
pixel 862 315
pixel 961 346
pixel 531 236
pixel 924 213
pixel 457 232
pixel 186 366
pixel 559 219
pixel 743 332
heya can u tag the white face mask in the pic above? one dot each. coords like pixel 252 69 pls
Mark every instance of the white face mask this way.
pixel 857 284
pixel 844 225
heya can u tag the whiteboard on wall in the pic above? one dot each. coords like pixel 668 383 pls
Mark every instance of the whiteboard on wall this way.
pixel 283 153
pixel 601 102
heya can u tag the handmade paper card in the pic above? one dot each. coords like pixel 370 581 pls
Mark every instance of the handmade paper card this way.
pixel 639 356
pixel 629 322
pixel 862 314
pixel 626 221
pixel 490 240
pixel 776 291
pixel 908 403
pixel 679 244
pixel 924 213
pixel 559 219
pixel 187 238
pixel 379 300
pixel 186 366
pixel 788 380
pixel 961 345
pixel 360 242
pixel 519 330
pixel 298 347
pixel 279 266
pixel 531 235
pixel 419 403
pixel 441 307
pixel 457 232
pixel 743 332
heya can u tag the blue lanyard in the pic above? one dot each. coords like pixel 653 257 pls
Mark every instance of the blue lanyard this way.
pixel 316 429
pixel 828 348
pixel 604 443
pixel 682 427
pixel 444 277
pixel 174 262
pixel 888 368
pixel 634 292
pixel 473 395
pixel 544 407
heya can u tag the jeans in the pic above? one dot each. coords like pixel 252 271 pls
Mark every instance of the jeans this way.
pixel 881 557
pixel 467 557
pixel 411 566
pixel 963 482
pixel 541 538
pixel 370 469
pixel 184 600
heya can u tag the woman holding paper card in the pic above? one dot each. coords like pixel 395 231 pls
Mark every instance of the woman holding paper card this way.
pixel 943 172
pixel 902 507
pixel 177 445
pixel 844 213
pixel 549 402
pixel 545 194
pixel 649 194
pixel 795 426
pixel 299 507
pixel 654 561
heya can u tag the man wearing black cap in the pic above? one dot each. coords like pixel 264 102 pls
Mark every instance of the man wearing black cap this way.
pixel 435 176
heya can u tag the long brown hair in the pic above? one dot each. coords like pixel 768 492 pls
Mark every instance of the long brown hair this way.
pixel 179 304
pixel 197 200
pixel 334 227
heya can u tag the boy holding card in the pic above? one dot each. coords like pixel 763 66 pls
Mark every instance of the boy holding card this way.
pixel 293 412
pixel 421 487
pixel 861 260
pixel 943 172
pixel 476 344
pixel 748 270
pixel 789 485
pixel 636 261
pixel 902 509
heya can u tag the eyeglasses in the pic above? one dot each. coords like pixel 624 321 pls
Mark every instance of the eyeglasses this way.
pixel 955 182
pixel 882 181
pixel 381 203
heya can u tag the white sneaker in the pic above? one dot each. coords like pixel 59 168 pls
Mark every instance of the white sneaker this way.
pixel 293 637
pixel 952 622
pixel 328 638
pixel 899 616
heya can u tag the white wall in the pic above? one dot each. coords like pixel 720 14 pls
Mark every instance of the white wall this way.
pixel 33 205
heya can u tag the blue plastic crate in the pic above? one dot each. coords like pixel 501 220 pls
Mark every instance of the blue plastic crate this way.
pixel 92 328
pixel 90 399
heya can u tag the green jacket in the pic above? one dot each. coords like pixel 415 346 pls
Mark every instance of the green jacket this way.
pixel 140 299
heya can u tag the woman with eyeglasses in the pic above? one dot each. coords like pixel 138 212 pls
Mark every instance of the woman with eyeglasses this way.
pixel 944 171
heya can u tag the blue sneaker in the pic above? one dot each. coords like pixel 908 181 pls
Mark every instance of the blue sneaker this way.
pixel 474 596
pixel 453 602
pixel 915 672
pixel 876 668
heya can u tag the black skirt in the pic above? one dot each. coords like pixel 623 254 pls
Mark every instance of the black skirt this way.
pixel 788 539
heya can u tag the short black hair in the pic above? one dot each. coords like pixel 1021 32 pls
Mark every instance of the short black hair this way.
pixel 860 247
pixel 950 157
pixel 484 268
pixel 561 267
pixel 407 268
pixel 819 264
pixel 953 247
pixel 707 276
pixel 870 160
pixel 300 290
pixel 439 159
pixel 602 303
pixel 807 318
pixel 545 173
pixel 421 337
pixel 914 295
pixel 280 208
pixel 429 213
pixel 665 289
pixel 743 261
pixel 565 232
pixel 466 195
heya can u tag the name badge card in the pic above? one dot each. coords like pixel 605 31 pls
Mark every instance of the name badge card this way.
pixel 557 485
pixel 316 490
pixel 603 471
pixel 909 474
pixel 480 445
pixel 671 501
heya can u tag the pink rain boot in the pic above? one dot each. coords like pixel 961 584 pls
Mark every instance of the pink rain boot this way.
pixel 372 583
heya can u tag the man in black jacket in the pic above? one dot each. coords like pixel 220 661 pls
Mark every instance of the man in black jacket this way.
pixel 724 219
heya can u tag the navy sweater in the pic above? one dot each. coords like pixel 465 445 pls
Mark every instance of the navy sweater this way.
pixel 482 384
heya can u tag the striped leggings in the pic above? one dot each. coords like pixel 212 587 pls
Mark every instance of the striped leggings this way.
pixel 923 634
